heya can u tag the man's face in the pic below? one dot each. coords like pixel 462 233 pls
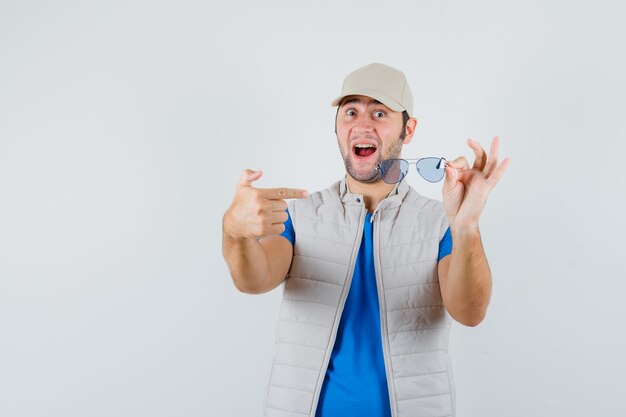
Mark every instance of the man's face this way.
pixel 368 132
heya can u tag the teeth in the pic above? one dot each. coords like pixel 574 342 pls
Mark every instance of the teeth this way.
pixel 364 145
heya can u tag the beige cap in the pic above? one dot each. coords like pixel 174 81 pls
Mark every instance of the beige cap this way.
pixel 381 82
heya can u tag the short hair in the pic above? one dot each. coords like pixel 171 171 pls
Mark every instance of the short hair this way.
pixel 405 119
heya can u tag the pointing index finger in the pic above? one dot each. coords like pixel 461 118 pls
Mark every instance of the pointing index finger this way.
pixel 283 193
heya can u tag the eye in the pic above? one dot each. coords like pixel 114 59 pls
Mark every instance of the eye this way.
pixel 350 112
pixel 379 113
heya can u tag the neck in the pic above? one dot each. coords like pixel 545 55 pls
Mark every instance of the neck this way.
pixel 373 193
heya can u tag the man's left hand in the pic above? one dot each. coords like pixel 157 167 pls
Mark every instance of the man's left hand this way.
pixel 465 189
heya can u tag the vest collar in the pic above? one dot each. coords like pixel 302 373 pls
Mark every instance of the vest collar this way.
pixel 394 199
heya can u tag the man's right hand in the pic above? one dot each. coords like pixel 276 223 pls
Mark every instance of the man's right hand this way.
pixel 258 212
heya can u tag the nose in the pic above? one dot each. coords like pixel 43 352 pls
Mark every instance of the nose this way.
pixel 363 124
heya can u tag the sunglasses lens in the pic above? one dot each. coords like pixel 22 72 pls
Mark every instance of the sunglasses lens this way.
pixel 432 169
pixel 393 170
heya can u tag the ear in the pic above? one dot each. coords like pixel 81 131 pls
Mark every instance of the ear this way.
pixel 411 124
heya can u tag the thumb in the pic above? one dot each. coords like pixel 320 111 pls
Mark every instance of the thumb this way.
pixel 249 176
pixel 450 181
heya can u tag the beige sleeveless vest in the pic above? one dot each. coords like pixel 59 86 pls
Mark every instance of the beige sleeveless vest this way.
pixel 414 323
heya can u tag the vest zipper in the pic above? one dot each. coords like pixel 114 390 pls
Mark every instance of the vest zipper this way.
pixel 382 304
pixel 342 302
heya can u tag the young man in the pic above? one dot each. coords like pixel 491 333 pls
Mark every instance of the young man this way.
pixel 371 277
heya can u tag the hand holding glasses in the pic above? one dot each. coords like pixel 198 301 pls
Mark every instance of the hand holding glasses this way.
pixel 392 171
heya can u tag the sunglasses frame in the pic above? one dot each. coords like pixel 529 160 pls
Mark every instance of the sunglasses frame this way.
pixel 412 162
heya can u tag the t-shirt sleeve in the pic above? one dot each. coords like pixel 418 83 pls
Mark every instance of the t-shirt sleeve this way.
pixel 445 246
pixel 289 233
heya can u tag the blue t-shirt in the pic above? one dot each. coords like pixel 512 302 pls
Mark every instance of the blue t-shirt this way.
pixel 355 384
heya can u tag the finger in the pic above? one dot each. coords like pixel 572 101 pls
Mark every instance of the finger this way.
pixel 277 217
pixel 249 176
pixel 282 193
pixel 459 163
pixel 493 156
pixel 497 174
pixel 481 155
pixel 271 230
pixel 276 229
pixel 277 205
pixel 450 180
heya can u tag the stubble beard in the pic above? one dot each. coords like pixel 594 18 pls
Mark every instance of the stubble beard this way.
pixel 374 175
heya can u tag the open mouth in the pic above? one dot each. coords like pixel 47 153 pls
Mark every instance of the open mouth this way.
pixel 364 150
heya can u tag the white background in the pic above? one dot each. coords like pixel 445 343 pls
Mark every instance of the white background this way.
pixel 125 125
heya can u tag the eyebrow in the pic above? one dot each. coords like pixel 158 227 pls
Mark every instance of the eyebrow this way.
pixel 358 100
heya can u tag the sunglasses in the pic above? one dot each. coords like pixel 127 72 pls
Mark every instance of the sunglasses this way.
pixel 392 171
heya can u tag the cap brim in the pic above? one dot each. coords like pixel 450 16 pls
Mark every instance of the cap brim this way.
pixel 386 100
